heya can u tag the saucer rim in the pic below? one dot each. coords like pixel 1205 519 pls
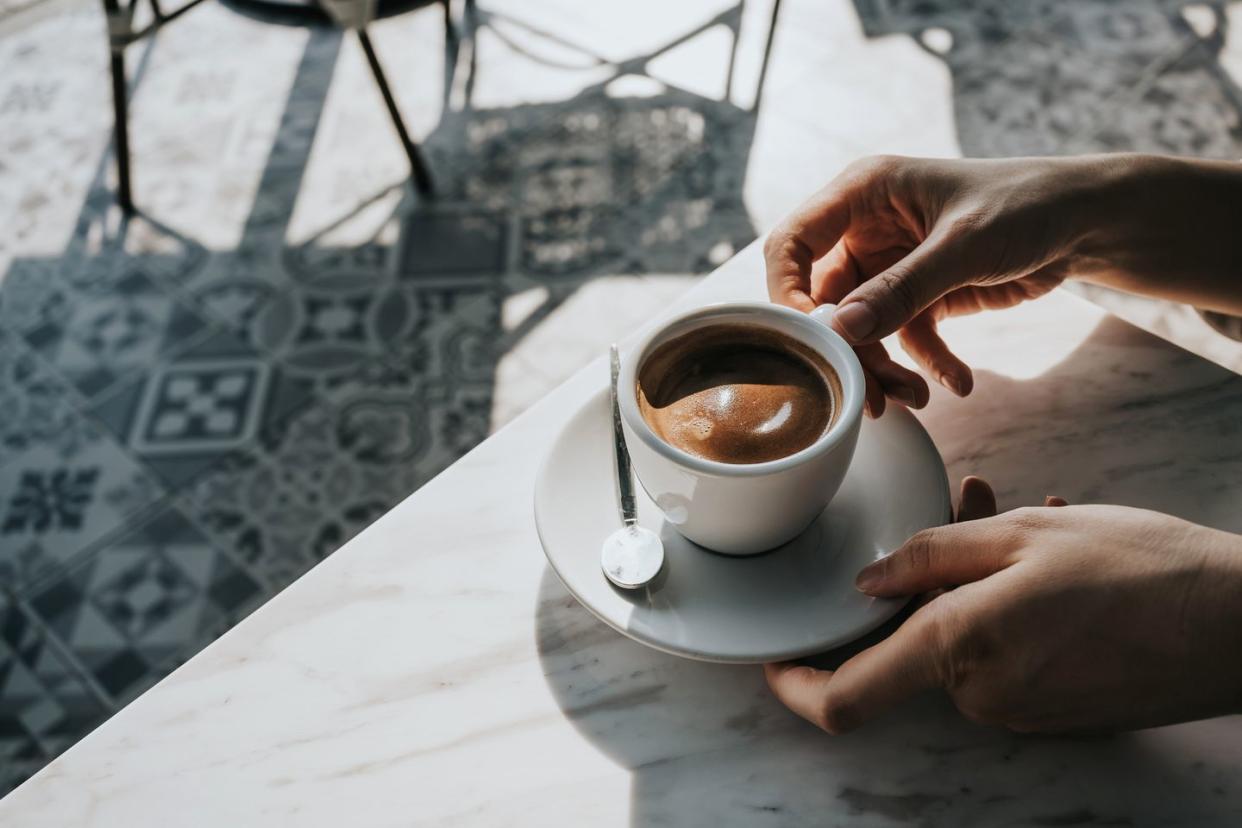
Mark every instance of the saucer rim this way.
pixel 893 605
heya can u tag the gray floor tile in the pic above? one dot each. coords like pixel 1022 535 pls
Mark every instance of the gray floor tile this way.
pixel 59 497
pixel 454 241
pixel 189 413
pixel 1187 108
pixel 37 407
pixel 94 336
pixel 283 509
pixel 1030 77
pixel 143 603
pixel 44 704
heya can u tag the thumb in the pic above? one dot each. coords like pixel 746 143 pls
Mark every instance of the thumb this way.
pixel 889 300
pixel 945 556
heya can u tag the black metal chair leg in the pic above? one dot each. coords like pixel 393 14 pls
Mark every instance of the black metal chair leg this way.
pixel 120 110
pixel 422 177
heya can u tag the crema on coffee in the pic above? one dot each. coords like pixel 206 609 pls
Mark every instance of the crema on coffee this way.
pixel 737 393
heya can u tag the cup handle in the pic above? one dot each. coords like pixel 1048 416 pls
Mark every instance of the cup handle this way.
pixel 824 313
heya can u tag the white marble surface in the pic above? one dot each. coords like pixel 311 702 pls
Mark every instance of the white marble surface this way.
pixel 434 671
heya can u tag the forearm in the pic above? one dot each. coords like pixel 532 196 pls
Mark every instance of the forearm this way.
pixel 1169 228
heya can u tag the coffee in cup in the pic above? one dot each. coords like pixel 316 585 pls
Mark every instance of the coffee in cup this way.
pixel 738 393
pixel 741 420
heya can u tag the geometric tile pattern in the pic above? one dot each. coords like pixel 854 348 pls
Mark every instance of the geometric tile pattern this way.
pixel 47 499
pixel 196 405
pixel 283 509
pixel 96 337
pixel 217 397
pixel 192 417
pixel 145 602
pixel 44 705
pixel 35 403
pixel 1055 77
pixel 56 499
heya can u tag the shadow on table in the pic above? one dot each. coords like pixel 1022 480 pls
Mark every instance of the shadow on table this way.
pixel 707 743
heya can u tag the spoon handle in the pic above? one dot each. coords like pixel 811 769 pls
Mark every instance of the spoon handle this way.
pixel 625 477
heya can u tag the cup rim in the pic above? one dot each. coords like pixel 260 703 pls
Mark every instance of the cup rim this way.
pixel 833 348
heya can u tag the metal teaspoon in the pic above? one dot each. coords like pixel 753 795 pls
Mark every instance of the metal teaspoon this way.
pixel 632 556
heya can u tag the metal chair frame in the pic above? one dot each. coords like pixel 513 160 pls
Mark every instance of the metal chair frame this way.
pixel 121 33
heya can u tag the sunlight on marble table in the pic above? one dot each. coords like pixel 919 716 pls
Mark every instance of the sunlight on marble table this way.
pixel 434 671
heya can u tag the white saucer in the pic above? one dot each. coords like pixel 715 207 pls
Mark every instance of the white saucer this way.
pixel 796 600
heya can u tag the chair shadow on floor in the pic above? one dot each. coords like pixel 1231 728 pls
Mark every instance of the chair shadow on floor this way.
pixel 706 743
pixel 1059 77
pixel 265 401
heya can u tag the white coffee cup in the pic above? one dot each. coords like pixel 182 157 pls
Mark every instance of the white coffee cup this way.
pixel 744 508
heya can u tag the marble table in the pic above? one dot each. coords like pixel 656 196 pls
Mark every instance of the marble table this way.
pixel 434 671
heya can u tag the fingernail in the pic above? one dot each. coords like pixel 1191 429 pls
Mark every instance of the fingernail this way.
pixel 856 320
pixel 906 395
pixel 868 579
pixel 954 384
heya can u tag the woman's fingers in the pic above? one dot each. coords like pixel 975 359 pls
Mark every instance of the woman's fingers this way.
pixel 871 682
pixel 807 235
pixel 923 343
pixel 832 277
pixel 835 275
pixel 873 397
pixel 942 556
pixel 977 499
pixel 896 381
pixel 799 687
pixel 885 302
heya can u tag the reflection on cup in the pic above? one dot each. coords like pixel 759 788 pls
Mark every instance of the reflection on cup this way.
pixel 676 508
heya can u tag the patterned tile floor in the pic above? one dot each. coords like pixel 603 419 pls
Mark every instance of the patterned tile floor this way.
pixel 199 403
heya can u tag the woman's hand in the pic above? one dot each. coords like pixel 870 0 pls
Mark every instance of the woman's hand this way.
pixel 1055 619
pixel 902 243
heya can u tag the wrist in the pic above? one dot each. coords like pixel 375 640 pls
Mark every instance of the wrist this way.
pixel 1107 206
pixel 1159 226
